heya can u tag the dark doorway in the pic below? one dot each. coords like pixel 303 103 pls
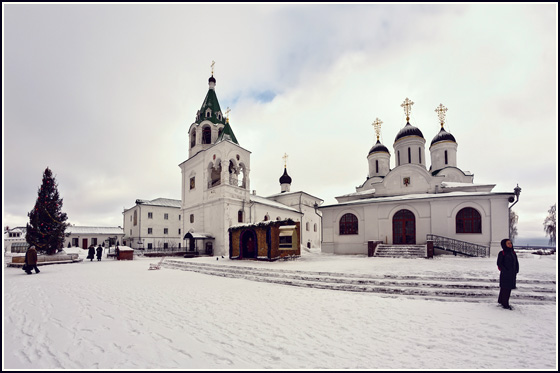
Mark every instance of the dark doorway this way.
pixel 404 228
pixel 249 244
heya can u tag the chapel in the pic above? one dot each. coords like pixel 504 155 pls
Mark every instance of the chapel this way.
pixel 410 203
pixel 216 190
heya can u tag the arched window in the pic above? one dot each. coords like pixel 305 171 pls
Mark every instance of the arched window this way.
pixel 446 157
pixel 315 227
pixel 307 226
pixel 193 138
pixel 376 166
pixel 348 224
pixel 468 220
pixel 206 135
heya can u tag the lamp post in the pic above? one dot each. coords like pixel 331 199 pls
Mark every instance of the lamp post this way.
pixel 516 192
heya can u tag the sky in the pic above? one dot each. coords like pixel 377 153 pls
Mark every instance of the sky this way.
pixel 104 94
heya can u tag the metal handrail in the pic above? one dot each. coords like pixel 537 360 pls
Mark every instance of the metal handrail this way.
pixel 458 246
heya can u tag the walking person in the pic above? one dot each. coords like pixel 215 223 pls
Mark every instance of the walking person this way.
pixel 99 252
pixel 91 253
pixel 31 260
pixel 508 265
pixel 117 252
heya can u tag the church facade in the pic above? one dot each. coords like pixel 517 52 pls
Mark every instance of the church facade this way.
pixel 216 192
pixel 405 204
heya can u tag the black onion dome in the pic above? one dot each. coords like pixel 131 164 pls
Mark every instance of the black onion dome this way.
pixel 408 130
pixel 285 179
pixel 443 135
pixel 212 79
pixel 378 147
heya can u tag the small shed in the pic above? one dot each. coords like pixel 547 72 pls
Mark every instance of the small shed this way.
pixel 269 240
pixel 125 253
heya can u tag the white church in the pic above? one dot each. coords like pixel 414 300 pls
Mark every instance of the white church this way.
pixel 411 204
pixel 216 187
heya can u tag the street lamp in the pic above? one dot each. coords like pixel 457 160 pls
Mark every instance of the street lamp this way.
pixel 516 192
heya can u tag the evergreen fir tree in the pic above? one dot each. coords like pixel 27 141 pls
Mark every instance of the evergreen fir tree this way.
pixel 47 222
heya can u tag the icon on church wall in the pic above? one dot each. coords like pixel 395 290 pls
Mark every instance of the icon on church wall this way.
pixel 406 181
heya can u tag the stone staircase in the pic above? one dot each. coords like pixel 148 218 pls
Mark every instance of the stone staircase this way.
pixel 400 251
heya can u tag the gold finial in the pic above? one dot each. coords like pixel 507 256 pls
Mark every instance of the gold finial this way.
pixel 227 114
pixel 212 66
pixel 377 126
pixel 285 158
pixel 407 107
pixel 440 110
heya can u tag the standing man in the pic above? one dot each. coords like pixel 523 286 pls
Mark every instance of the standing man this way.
pixel 508 265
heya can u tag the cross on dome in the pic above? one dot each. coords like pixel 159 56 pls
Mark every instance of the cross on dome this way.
pixel 407 104
pixel 377 126
pixel 441 110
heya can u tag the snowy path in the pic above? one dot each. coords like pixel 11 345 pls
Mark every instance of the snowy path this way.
pixel 120 315
pixel 442 288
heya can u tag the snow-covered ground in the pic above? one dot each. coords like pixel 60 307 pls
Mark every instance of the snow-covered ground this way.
pixel 120 315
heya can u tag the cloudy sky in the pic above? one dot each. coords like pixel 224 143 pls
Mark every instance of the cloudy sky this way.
pixel 104 94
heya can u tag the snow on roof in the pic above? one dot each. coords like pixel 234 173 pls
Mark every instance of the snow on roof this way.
pixel 165 202
pixel 72 229
pixel 288 193
pixel 268 202
pixel 410 197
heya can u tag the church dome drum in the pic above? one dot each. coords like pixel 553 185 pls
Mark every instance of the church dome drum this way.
pixel 408 130
pixel 443 135
pixel 378 147
pixel 285 178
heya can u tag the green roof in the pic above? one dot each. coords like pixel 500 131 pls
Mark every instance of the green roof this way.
pixel 227 134
pixel 210 102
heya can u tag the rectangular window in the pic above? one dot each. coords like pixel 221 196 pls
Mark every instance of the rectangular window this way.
pixel 166 245
pixel 75 242
pixel 150 215
pixel 149 230
pixel 179 231
pixel 166 216
pixel 94 241
pixel 192 218
pixel 240 216
pixel 287 237
pixel 192 183
pixel 150 246
pixel 165 231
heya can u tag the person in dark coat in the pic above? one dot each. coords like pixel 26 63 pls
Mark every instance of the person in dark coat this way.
pixel 99 252
pixel 31 260
pixel 508 265
pixel 91 253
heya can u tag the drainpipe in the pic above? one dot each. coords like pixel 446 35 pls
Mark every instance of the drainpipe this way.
pixel 316 206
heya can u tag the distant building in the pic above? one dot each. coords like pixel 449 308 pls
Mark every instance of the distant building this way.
pixel 82 236
pixel 153 224
pixel 14 239
pixel 401 206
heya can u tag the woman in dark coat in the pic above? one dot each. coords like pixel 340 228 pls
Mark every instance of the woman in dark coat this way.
pixel 91 253
pixel 31 260
pixel 99 252
pixel 509 267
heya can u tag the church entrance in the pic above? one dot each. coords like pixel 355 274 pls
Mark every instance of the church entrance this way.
pixel 249 244
pixel 404 228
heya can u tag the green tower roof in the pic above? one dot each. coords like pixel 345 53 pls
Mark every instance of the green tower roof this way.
pixel 210 109
pixel 227 134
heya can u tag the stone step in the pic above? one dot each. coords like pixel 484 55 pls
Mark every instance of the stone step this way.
pixel 400 251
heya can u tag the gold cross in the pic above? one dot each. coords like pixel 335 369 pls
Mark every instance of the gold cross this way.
pixel 407 107
pixel 227 113
pixel 377 126
pixel 285 157
pixel 212 66
pixel 440 110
